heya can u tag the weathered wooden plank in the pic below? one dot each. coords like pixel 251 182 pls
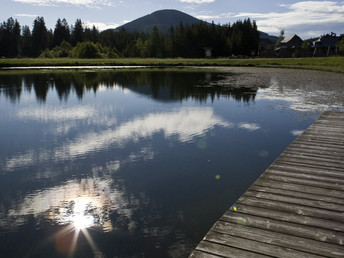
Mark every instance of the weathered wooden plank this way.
pixel 302 175
pixel 279 239
pixel 288 228
pixel 292 208
pixel 328 134
pixel 311 196
pixel 324 153
pixel 200 254
pixel 320 139
pixel 296 207
pixel 290 217
pixel 309 145
pixel 292 200
pixel 317 142
pixel 225 251
pixel 308 165
pixel 303 182
pixel 310 169
pixel 339 161
pixel 321 163
pixel 301 188
pixel 255 246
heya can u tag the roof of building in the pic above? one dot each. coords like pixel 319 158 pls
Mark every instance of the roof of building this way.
pixel 289 38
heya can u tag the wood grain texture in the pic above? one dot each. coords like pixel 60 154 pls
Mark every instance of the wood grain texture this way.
pixel 295 208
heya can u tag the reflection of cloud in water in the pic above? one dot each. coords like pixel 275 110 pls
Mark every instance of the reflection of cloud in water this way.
pixel 89 200
pixel 64 119
pixel 296 132
pixel 304 93
pixel 56 113
pixel 249 126
pixel 185 124
pixel 97 202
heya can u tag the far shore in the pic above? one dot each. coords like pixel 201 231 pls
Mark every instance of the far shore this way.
pixel 330 64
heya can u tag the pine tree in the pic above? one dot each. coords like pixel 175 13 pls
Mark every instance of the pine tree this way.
pixel 61 32
pixel 39 36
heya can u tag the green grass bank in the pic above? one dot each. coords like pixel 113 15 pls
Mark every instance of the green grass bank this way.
pixel 331 64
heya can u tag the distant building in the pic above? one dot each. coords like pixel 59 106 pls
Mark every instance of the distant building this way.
pixel 326 45
pixel 289 46
pixel 208 52
pixel 292 41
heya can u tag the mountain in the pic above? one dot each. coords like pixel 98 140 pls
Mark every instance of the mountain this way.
pixel 163 19
pixel 264 35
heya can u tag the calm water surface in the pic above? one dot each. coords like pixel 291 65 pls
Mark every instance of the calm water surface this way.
pixel 140 163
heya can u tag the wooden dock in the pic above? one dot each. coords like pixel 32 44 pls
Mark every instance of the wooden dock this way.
pixel 296 208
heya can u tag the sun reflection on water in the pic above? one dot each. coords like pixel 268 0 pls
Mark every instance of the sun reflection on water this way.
pixel 81 222
pixel 78 208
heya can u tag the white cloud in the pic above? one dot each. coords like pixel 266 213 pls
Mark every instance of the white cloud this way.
pixel 26 15
pixel 197 1
pixel 87 3
pixel 101 26
pixel 208 17
pixel 305 15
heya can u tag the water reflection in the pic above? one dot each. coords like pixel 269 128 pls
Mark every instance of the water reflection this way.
pixel 302 90
pixel 81 203
pixel 128 164
pixel 162 86
pixel 183 124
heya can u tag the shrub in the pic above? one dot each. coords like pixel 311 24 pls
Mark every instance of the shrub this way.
pixel 86 50
pixel 46 54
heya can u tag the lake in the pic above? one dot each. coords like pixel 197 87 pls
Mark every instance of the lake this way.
pixel 141 163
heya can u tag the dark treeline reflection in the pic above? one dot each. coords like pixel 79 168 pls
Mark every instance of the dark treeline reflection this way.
pixel 159 85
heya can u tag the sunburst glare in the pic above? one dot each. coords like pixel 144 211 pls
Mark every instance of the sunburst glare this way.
pixel 82 222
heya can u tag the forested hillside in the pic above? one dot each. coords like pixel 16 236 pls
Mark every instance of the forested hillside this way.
pixel 78 41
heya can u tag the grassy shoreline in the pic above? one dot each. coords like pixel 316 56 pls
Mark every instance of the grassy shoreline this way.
pixel 330 64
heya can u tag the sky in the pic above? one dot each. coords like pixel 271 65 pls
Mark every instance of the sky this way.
pixel 305 18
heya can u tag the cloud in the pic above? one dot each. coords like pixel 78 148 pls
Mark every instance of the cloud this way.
pixel 313 16
pixel 26 15
pixel 101 26
pixel 86 3
pixel 197 1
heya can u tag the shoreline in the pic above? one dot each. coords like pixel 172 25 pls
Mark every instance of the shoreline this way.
pixel 329 64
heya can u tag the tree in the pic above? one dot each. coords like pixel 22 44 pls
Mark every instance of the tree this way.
pixel 26 41
pixel 77 34
pixel 305 45
pixel 280 38
pixel 92 34
pixel 10 38
pixel 341 45
pixel 39 36
pixel 61 32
